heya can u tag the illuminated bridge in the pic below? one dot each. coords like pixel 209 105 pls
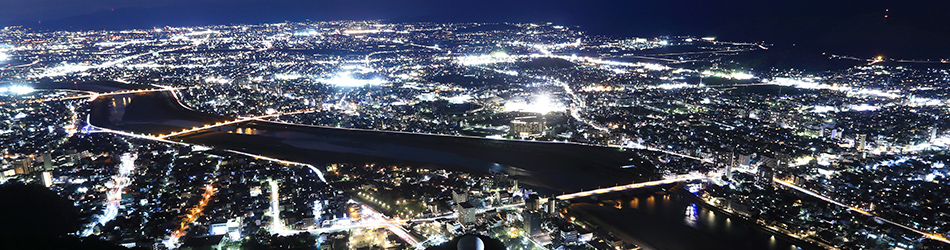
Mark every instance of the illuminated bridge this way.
pixel 669 180
pixel 240 120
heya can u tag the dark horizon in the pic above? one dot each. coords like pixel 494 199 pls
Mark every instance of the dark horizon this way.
pixel 911 30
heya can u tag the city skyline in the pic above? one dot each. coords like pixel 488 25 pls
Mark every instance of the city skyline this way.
pixel 859 28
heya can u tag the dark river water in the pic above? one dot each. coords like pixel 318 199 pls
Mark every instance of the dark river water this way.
pixel 669 221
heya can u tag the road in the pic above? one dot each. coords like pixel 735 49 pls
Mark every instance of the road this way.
pixel 933 236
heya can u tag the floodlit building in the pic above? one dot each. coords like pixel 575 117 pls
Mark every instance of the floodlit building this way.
pixel 528 126
pixel 47 179
pixel 860 141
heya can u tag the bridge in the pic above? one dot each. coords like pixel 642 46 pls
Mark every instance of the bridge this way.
pixel 236 121
pixel 669 180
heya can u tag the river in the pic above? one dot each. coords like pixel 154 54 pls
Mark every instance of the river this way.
pixel 661 221
pixel 669 221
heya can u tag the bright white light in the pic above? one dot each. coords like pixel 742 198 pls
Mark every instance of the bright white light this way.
pixel 733 75
pixel 307 33
pixel 459 99
pixel 64 69
pixel 541 104
pixel 347 80
pixel 863 107
pixel 653 66
pixel 672 85
pixel 878 93
pixel 823 109
pixel 477 60
pixel 742 76
pixel 799 83
pixel 17 90
pixel 215 79
pixel 3 56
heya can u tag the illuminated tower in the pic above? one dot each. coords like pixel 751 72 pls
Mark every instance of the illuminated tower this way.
pixel 860 141
pixel 47 162
pixel 730 165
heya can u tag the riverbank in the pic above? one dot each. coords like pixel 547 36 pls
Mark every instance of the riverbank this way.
pixel 804 244
pixel 666 220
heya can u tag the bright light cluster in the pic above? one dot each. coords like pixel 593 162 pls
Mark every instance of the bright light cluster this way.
pixel 459 99
pixel 497 57
pixel 16 90
pixel 732 75
pixel 863 107
pixel 347 80
pixel 542 104
pixel 673 85
pixel 798 83
pixel 811 84
pixel 64 69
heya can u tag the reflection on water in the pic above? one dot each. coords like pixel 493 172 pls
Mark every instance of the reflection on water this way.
pixel 669 221
pixel 117 107
pixel 246 131
pixel 692 215
pixel 650 206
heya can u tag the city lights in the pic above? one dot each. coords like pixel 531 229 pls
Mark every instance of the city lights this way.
pixel 347 80
pixel 17 89
pixel 368 134
pixel 540 104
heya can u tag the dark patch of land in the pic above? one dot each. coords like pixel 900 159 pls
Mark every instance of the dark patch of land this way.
pixel 94 86
pixel 546 63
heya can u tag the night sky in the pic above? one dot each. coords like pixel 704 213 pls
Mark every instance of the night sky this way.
pixel 913 29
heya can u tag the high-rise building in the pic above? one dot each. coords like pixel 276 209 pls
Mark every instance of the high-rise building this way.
pixel 532 203
pixel 860 141
pixel 765 174
pixel 532 223
pixel 466 213
pixel 730 165
pixel 47 178
pixel 23 166
pixel 551 206
pixel 744 160
pixel 459 198
pixel 47 162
